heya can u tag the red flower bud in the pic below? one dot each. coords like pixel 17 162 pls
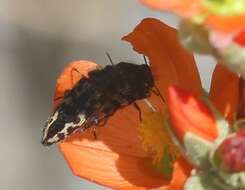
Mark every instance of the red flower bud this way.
pixel 240 39
pixel 232 153
pixel 188 114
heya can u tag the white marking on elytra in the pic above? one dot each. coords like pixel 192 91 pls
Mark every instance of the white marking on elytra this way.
pixel 52 119
pixel 67 126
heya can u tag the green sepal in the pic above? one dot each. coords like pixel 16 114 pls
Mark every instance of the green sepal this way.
pixel 200 151
pixel 197 150
pixel 222 125
pixel 201 181
pixel 235 180
pixel 195 37
pixel 233 57
pixel 207 180
pixel 180 146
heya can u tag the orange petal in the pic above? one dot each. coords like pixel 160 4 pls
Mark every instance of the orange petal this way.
pixel 170 62
pixel 109 168
pixel 184 8
pixel 70 75
pixel 116 159
pixel 241 108
pixel 188 114
pixel 226 24
pixel 106 168
pixel 182 171
pixel 224 91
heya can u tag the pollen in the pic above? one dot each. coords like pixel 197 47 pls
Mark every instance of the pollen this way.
pixel 156 139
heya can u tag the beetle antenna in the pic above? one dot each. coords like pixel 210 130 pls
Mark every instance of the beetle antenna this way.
pixel 109 57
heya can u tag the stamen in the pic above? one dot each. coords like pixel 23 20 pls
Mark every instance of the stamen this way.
pixel 148 103
pixel 156 138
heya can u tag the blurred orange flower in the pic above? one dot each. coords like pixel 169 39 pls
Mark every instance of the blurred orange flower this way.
pixel 240 39
pixel 184 8
pixel 198 9
pixel 226 24
pixel 116 159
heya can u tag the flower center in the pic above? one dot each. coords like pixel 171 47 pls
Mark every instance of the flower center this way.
pixel 157 141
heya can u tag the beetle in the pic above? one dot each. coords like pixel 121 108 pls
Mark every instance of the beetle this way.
pixel 95 98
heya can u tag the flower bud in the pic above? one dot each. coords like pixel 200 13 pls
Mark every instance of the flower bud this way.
pixel 240 39
pixel 231 153
pixel 188 114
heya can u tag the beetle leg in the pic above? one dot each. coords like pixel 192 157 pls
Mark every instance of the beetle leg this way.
pixel 139 110
pixel 94 133
pixel 61 97
pixel 157 92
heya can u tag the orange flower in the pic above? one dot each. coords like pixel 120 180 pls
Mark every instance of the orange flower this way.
pixel 189 114
pixel 116 159
pixel 184 8
pixel 198 10
pixel 226 24
pixel 170 62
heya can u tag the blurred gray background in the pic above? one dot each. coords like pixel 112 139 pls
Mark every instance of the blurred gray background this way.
pixel 37 39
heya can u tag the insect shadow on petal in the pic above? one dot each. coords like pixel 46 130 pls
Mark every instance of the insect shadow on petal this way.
pixel 95 98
